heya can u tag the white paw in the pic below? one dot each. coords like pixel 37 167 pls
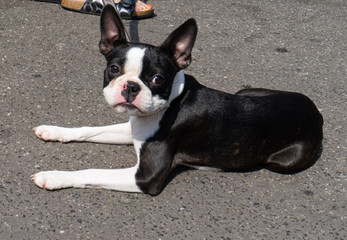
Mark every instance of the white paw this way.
pixel 49 180
pixel 50 133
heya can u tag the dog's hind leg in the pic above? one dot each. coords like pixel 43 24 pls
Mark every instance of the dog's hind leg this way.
pixel 292 158
pixel 113 134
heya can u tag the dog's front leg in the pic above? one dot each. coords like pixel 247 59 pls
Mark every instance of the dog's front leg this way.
pixel 113 134
pixel 112 179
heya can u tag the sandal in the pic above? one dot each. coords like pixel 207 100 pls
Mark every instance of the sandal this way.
pixel 125 8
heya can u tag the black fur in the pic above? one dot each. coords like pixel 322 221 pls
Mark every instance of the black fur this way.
pixel 278 130
pixel 202 127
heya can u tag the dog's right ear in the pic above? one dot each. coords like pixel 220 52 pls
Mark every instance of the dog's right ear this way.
pixel 112 30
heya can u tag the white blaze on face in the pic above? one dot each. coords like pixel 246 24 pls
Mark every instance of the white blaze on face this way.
pixel 134 60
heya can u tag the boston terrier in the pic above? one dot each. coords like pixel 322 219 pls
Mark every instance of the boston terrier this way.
pixel 176 121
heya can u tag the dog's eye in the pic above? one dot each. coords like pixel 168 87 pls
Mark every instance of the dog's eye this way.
pixel 114 69
pixel 158 80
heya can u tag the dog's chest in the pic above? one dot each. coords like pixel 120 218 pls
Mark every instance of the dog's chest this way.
pixel 143 128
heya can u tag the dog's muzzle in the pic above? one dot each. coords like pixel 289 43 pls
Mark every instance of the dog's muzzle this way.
pixel 130 91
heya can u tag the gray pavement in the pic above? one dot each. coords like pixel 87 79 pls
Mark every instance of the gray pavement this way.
pixel 51 73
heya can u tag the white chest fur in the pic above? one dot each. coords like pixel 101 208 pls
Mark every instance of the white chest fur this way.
pixel 143 128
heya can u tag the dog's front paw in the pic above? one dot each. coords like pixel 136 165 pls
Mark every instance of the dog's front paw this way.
pixel 50 133
pixel 49 180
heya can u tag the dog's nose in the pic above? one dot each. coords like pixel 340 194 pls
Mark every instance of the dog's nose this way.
pixel 130 91
pixel 133 88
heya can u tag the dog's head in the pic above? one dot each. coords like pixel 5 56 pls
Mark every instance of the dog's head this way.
pixel 140 78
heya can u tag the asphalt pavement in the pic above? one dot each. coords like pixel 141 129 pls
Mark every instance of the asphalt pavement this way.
pixel 51 73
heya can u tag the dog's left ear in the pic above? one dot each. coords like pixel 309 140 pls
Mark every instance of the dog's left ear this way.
pixel 112 30
pixel 179 43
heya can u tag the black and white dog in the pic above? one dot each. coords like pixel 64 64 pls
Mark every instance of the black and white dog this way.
pixel 175 121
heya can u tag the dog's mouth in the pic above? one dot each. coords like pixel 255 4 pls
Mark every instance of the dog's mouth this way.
pixel 133 110
pixel 129 108
pixel 127 105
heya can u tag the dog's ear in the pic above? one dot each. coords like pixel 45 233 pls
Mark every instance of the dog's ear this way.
pixel 112 30
pixel 179 43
